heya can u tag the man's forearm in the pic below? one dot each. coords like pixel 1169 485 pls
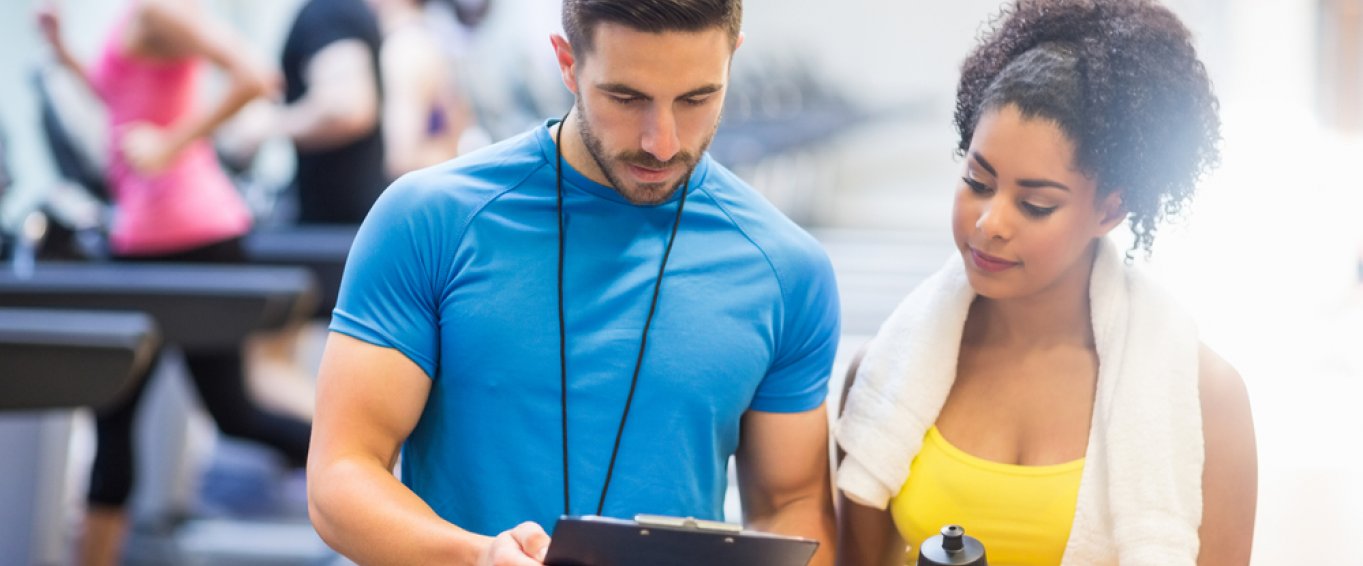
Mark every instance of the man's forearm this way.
pixel 366 514
pixel 808 517
pixel 317 125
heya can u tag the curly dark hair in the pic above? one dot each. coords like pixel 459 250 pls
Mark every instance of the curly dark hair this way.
pixel 1120 78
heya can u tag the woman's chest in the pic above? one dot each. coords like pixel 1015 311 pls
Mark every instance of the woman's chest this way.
pixel 1025 408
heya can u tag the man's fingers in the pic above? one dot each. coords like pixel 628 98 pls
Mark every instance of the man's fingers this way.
pixel 524 545
pixel 533 540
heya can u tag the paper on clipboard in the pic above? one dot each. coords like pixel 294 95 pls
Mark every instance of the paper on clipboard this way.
pixel 656 540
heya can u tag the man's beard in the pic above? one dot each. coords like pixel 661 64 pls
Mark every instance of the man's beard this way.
pixel 641 193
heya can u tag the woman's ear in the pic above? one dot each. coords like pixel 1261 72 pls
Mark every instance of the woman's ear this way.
pixel 1113 213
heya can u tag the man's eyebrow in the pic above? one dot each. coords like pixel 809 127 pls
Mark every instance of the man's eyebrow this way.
pixel 626 90
pixel 707 89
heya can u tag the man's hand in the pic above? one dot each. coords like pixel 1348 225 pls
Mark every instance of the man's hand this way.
pixel 525 545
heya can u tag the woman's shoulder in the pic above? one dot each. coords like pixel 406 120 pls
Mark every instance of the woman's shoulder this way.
pixel 1223 391
pixel 1214 371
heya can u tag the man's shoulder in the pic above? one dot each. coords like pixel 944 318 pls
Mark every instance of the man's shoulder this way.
pixel 786 244
pixel 471 181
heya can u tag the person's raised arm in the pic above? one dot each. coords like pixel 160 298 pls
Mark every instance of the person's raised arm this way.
pixel 167 29
pixel 369 398
pixel 342 100
pixel 783 476
pixel 1230 479
pixel 50 24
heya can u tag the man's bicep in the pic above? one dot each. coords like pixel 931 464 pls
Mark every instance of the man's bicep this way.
pixel 342 78
pixel 782 457
pixel 369 399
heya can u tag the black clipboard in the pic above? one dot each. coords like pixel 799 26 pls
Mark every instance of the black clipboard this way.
pixel 656 540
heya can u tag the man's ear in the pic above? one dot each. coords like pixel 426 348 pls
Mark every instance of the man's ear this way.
pixel 739 42
pixel 567 62
pixel 1113 212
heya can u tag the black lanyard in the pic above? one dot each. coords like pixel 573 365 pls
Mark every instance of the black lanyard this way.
pixel 563 335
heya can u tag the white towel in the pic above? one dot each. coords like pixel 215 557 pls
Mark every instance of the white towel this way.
pixel 1140 497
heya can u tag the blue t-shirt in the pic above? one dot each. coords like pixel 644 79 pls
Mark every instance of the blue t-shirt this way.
pixel 456 267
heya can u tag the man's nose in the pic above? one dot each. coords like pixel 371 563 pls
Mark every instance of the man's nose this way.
pixel 660 135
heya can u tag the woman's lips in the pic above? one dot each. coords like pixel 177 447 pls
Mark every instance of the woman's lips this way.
pixel 990 263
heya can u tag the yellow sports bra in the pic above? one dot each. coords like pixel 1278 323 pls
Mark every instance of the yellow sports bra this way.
pixel 1022 514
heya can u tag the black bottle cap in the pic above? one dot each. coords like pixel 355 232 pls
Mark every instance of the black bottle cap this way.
pixel 951 538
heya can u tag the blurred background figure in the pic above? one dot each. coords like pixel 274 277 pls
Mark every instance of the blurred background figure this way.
pixel 424 113
pixel 173 203
pixel 332 113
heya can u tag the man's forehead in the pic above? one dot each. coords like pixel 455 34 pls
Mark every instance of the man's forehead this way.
pixel 681 60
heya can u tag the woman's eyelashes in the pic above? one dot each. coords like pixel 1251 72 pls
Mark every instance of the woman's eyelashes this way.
pixel 976 186
pixel 1037 211
pixel 1031 209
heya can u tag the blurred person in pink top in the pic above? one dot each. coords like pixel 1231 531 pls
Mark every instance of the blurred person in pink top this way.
pixel 171 194
pixel 173 203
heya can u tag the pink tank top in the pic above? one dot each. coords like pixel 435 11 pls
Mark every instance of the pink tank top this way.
pixel 191 203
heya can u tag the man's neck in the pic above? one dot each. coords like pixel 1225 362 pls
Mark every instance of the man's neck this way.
pixel 575 152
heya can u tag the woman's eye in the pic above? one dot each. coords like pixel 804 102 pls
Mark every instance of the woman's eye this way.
pixel 1037 211
pixel 976 186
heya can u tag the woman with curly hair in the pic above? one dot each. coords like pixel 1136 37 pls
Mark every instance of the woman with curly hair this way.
pixel 1040 390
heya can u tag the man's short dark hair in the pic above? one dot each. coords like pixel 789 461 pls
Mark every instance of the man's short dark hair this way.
pixel 580 17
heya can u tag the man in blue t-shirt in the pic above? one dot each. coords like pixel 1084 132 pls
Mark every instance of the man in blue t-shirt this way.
pixel 590 318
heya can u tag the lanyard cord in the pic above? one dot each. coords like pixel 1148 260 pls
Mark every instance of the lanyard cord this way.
pixel 563 334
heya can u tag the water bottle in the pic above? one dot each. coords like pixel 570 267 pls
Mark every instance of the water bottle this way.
pixel 951 548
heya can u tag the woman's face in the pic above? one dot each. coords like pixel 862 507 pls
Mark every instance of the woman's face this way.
pixel 1025 219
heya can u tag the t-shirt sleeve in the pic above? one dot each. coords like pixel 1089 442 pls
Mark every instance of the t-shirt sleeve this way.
pixel 335 21
pixel 807 339
pixel 390 289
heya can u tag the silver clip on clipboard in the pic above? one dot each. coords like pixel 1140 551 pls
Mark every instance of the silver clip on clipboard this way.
pixel 687 523
pixel 659 540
